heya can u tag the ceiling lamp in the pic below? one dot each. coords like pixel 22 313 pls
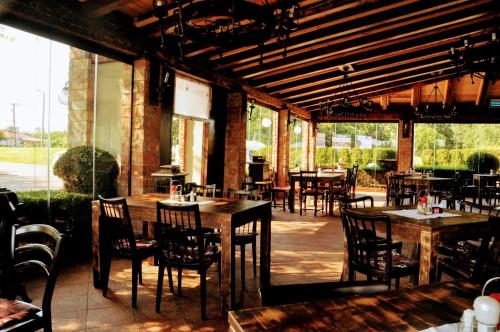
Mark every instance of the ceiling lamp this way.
pixel 477 61
pixel 347 102
pixel 224 23
pixel 434 108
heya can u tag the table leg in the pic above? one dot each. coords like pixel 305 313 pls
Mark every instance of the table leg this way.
pixel 345 266
pixel 291 196
pixel 95 247
pixel 227 267
pixel 428 257
pixel 265 255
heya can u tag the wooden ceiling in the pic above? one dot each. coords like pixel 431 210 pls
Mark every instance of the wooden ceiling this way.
pixel 392 45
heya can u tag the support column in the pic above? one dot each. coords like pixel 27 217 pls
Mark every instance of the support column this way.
pixel 235 143
pixel 125 111
pixel 145 132
pixel 405 145
pixel 305 146
pixel 283 147
pixel 312 146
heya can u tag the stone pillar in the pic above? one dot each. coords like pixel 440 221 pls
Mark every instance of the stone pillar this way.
pixel 405 145
pixel 80 97
pixel 145 132
pixel 124 155
pixel 235 143
pixel 283 147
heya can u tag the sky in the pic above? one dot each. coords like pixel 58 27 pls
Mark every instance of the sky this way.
pixel 26 74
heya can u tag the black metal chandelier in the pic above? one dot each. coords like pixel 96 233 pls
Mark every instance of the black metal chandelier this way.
pixel 435 108
pixel 347 102
pixel 477 61
pixel 224 23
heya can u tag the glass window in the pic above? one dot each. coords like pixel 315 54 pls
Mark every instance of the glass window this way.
pixel 448 146
pixel 192 98
pixel 260 133
pixel 296 144
pixel 176 153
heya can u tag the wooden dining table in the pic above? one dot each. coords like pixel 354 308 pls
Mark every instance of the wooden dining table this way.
pixel 223 213
pixel 427 182
pixel 429 233
pixel 480 179
pixel 327 177
pixel 412 309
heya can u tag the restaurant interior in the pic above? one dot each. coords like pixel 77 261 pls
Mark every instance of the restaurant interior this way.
pixel 301 165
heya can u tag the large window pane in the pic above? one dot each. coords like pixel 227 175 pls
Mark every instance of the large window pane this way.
pixel 296 145
pixel 260 133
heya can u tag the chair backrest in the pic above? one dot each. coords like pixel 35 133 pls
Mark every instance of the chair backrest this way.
pixel 467 206
pixel 179 226
pixel 38 247
pixel 207 190
pixel 364 247
pixel 308 180
pixel 358 202
pixel 116 225
pixel 488 263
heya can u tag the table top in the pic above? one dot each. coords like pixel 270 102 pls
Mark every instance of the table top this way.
pixel 218 206
pixel 435 223
pixel 412 309
pixel 168 174
pixel 486 175
pixel 323 175
pixel 429 178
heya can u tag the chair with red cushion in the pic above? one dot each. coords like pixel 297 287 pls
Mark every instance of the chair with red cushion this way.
pixel 183 245
pixel 370 255
pixel 118 238
pixel 33 248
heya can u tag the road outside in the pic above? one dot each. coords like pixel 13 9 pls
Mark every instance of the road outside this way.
pixel 24 177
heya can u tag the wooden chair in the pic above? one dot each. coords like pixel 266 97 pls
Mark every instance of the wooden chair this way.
pixel 284 191
pixel 183 246
pixel 344 191
pixel 367 202
pixel 475 263
pixel 118 238
pixel 207 190
pixel 264 189
pixel 34 247
pixel 369 255
pixel 308 182
pixel 242 193
pixel 397 192
pixel 453 194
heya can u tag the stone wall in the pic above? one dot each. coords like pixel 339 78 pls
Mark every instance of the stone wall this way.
pixel 405 146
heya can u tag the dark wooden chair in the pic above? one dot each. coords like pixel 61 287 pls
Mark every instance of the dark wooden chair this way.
pixel 476 263
pixel 207 190
pixel 454 193
pixel 34 248
pixel 345 191
pixel 242 193
pixel 183 246
pixel 397 192
pixel 118 238
pixel 284 191
pixel 371 256
pixel 367 202
pixel 308 182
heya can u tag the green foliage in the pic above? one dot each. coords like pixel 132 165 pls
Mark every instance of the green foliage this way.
pixel 74 208
pixel 344 156
pixel 356 156
pixel 442 156
pixel 427 156
pixel 482 162
pixel 367 156
pixel 456 157
pixel 75 169
pixel 58 139
pixel 324 156
pixel 2 135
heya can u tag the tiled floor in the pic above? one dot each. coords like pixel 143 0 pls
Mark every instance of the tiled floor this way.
pixel 304 249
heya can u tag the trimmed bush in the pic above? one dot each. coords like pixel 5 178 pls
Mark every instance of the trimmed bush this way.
pixel 456 157
pixel 356 156
pixel 441 156
pixel 344 156
pixel 427 156
pixel 367 156
pixel 482 162
pixel 74 167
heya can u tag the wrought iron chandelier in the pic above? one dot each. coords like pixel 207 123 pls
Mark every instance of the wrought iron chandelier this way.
pixel 477 61
pixel 347 102
pixel 224 23
pixel 433 109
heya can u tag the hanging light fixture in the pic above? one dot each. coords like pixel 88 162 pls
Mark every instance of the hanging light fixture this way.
pixel 297 129
pixel 266 122
pixel 223 23
pixel 347 102
pixel 477 61
pixel 434 108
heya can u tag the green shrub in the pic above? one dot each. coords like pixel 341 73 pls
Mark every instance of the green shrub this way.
pixel 456 157
pixel 482 162
pixel 356 156
pixel 74 208
pixel 367 156
pixel 74 167
pixel 441 156
pixel 324 156
pixel 427 156
pixel 344 156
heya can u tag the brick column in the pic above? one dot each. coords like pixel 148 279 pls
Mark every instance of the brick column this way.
pixel 80 97
pixel 124 155
pixel 283 147
pixel 235 143
pixel 405 146
pixel 312 146
pixel 305 146
pixel 145 132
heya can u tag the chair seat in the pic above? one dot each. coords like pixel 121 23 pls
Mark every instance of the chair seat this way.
pixel 400 263
pixel 179 253
pixel 15 312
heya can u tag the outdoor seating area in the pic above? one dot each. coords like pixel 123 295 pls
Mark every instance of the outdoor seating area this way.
pixel 253 165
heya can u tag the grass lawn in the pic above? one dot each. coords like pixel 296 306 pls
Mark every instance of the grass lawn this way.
pixel 28 155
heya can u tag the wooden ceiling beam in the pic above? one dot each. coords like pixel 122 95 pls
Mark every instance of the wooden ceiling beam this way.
pixel 59 21
pixel 343 29
pixel 365 43
pixel 97 8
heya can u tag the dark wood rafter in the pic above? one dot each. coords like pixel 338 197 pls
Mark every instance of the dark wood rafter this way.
pixel 102 7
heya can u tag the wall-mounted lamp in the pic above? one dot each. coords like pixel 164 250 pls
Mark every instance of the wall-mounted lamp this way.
pixel 251 108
